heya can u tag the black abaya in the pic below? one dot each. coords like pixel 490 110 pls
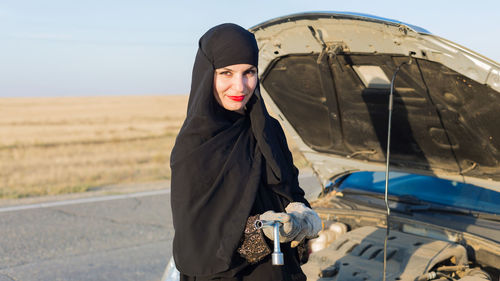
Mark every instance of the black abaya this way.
pixel 225 167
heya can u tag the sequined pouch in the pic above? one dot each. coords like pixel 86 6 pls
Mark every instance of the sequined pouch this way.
pixel 253 246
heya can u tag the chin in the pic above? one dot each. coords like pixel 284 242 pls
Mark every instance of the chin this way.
pixel 234 107
pixel 239 109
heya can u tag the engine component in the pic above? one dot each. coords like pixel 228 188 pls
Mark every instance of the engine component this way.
pixel 327 236
pixel 358 255
pixel 475 275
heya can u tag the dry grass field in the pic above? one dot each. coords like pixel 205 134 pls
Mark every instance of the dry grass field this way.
pixel 72 144
pixel 52 146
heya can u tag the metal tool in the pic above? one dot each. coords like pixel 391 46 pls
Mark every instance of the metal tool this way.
pixel 277 255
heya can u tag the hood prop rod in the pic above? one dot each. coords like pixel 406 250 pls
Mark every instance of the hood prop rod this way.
pixel 388 150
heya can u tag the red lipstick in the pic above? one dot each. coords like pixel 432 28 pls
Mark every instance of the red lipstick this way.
pixel 236 98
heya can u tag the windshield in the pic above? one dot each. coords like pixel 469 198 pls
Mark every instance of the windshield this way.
pixel 427 188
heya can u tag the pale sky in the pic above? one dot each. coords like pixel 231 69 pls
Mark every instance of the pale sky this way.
pixel 124 47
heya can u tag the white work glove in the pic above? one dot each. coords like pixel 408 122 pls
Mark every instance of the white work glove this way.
pixel 298 223
pixel 289 228
pixel 309 220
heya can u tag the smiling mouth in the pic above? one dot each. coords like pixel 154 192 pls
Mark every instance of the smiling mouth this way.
pixel 236 98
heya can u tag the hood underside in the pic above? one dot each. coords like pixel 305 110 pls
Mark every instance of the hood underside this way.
pixel 327 76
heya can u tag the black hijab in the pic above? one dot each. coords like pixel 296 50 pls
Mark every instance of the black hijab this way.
pixel 221 157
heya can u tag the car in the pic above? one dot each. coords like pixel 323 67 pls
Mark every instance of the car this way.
pixel 401 127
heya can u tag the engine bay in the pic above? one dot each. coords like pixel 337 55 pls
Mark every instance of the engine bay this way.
pixel 351 247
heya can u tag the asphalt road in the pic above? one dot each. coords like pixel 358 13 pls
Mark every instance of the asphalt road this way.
pixel 104 238
pixel 121 237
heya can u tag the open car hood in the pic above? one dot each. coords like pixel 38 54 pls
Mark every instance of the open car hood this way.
pixel 327 78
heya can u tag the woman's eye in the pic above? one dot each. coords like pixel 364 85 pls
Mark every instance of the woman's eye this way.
pixel 251 72
pixel 225 73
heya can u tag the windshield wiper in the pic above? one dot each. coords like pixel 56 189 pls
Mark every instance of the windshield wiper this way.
pixel 351 194
pixel 454 210
pixel 413 204
pixel 409 199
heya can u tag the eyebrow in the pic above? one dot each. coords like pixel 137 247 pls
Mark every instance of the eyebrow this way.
pixel 229 69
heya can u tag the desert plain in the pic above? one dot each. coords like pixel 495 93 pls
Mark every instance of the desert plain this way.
pixel 74 144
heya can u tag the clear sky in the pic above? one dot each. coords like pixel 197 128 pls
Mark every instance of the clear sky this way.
pixel 113 47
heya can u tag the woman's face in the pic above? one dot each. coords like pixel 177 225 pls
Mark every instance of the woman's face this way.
pixel 234 85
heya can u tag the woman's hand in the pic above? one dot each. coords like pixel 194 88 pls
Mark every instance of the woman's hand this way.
pixel 299 222
pixel 310 222
pixel 289 228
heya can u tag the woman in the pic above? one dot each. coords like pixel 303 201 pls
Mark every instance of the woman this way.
pixel 230 164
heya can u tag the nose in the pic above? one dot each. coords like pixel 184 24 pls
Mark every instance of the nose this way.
pixel 239 83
